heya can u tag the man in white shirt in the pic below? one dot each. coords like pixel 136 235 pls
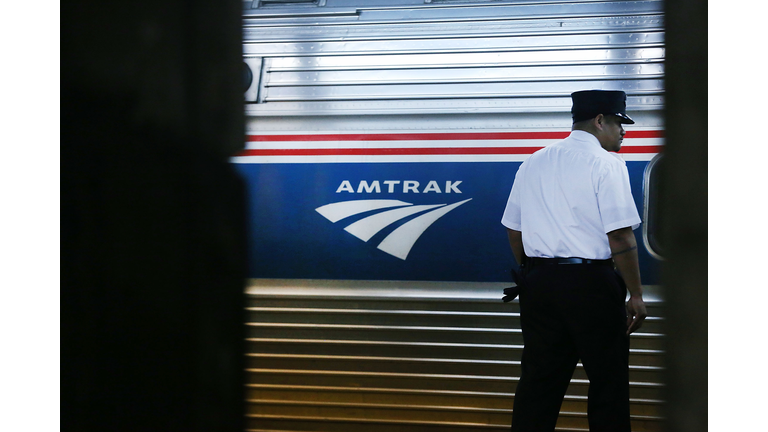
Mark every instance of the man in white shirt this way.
pixel 569 219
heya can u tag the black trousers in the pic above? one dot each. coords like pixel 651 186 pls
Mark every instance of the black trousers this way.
pixel 570 312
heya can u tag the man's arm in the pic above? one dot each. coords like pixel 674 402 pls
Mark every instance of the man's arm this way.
pixel 624 252
pixel 516 243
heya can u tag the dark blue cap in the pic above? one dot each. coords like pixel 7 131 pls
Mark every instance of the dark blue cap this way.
pixel 587 104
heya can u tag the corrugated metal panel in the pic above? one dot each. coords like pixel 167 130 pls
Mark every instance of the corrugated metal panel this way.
pixel 341 355
pixel 411 59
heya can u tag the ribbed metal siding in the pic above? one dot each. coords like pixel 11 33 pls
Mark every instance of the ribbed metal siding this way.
pixel 521 56
pixel 350 356
pixel 384 356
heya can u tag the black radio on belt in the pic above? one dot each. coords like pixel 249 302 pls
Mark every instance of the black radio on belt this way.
pixel 518 277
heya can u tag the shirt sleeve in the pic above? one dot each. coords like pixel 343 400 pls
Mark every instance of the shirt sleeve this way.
pixel 614 198
pixel 512 217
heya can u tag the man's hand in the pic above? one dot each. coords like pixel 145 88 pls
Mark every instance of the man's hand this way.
pixel 624 252
pixel 636 313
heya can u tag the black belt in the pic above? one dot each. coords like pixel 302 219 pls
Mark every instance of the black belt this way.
pixel 539 261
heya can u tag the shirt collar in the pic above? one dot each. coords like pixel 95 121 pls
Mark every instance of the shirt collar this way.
pixel 580 135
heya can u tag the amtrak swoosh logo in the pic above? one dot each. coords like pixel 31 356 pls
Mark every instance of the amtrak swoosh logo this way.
pixel 400 241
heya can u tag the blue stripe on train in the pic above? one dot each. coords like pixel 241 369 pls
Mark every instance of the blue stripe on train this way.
pixel 290 239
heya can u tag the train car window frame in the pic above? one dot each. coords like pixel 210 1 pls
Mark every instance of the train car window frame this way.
pixel 650 208
pixel 254 66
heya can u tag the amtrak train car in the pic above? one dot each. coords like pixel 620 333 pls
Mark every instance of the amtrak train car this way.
pixel 383 138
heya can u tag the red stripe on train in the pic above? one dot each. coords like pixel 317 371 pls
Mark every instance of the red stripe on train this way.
pixel 419 151
pixel 438 136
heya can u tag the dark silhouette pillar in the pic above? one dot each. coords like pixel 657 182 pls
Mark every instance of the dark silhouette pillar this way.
pixel 684 201
pixel 152 216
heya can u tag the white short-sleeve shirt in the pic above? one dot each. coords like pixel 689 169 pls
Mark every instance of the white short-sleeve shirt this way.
pixel 566 197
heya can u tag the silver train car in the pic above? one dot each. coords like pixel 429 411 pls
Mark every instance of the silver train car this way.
pixel 383 137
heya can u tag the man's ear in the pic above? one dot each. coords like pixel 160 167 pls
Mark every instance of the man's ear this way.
pixel 599 122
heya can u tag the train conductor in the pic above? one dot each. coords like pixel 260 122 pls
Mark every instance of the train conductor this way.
pixel 569 218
